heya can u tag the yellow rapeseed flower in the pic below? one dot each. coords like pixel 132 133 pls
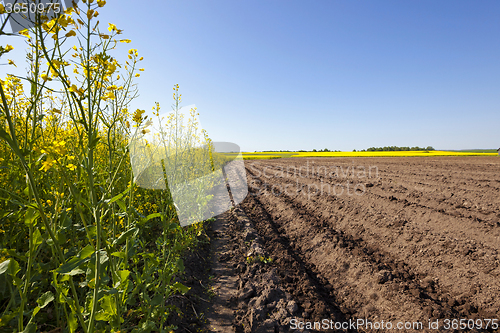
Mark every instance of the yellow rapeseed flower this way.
pixel 11 63
pixel 109 95
pixel 71 33
pixel 111 27
pixel 138 115
pixel 71 166
pixel 73 88
pixel 63 20
pixel 125 40
pixel 101 3
pixel 46 165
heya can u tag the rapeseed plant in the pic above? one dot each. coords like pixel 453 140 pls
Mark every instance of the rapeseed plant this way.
pixel 80 242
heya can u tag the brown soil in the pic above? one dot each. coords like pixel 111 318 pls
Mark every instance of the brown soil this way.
pixel 418 240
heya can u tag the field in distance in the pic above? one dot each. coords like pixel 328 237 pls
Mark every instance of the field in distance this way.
pixel 272 155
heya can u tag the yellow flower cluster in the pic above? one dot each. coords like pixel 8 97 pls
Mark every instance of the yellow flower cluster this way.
pixel 138 116
pixel 57 153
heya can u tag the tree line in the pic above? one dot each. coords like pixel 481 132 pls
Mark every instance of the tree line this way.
pixel 395 148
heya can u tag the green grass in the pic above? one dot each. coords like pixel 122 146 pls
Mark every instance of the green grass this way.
pixel 484 151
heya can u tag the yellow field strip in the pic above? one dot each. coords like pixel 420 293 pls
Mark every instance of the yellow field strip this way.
pixel 270 155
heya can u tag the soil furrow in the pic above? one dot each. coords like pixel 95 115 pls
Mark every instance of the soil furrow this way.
pixel 383 253
pixel 379 263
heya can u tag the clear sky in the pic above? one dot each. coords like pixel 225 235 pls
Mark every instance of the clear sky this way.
pixel 342 75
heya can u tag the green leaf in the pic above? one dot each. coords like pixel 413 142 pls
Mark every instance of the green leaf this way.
pixel 62 291
pixel 123 237
pixel 109 305
pixel 31 217
pixel 92 231
pixel 37 239
pixel 8 317
pixel 72 264
pixel 76 271
pixel 180 287
pixel 124 274
pixel 121 204
pixel 13 268
pixel 45 299
pixel 157 300
pixel 101 315
pixel 70 267
pixel 35 311
pixel 180 264
pixel 119 196
pixel 151 216
pixel 119 254
pixel 72 322
pixel 17 281
pixel 4 135
pixel 86 252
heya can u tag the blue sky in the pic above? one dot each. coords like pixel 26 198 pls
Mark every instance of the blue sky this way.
pixel 342 75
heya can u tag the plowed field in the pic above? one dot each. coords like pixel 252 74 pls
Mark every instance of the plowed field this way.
pixel 393 239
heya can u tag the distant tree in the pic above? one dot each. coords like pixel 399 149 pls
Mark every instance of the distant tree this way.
pixel 395 148
pixel 314 150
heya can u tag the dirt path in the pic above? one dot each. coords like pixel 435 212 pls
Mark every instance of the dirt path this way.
pixel 223 282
